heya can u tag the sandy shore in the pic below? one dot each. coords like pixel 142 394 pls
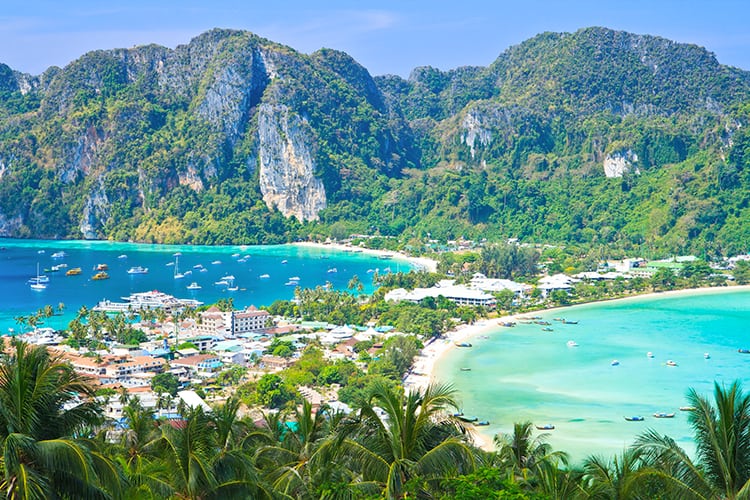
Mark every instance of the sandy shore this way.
pixel 423 369
pixel 421 262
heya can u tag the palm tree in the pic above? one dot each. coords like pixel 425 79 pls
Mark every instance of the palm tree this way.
pixel 416 439
pixel 621 478
pixel 525 456
pixel 43 404
pixel 722 435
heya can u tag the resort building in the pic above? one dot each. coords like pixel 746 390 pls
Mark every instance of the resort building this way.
pixel 201 365
pixel 481 282
pixel 460 294
pixel 249 321
pixel 214 322
pixel 556 282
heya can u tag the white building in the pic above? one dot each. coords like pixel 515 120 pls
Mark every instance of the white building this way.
pixel 460 294
pixel 250 320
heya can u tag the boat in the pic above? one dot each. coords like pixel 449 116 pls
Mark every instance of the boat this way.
pixel 543 323
pixel 547 329
pixel 228 277
pixel 663 414
pixel 284 261
pixel 506 324
pixel 464 418
pixel 688 408
pixel 706 355
pixel 264 276
pixel 194 286
pixel 294 278
pixel 216 262
pixel 59 255
pixel 482 422
pixel 198 266
pixel 332 270
pixel 176 254
pixel 635 418
pixel 39 278
pixel 671 363
pixel 545 427
pixel 221 283
pixel 177 274
pixel 236 255
pixel 465 369
pixel 138 270
pixel 59 267
pixel 743 351
pixel 458 414
pixel 649 354
pixel 102 267
pixel 35 283
pixel 292 283
pixel 122 256
pixel 101 275
pixel 559 319
pixel 463 344
pixel 572 343
pixel 204 270
pixel 232 288
pixel 73 272
pixel 569 322
pixel 147 301
pixel 614 362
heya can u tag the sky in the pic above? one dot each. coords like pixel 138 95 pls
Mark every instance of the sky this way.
pixel 386 36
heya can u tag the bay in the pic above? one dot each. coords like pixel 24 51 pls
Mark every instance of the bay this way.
pixel 525 373
pixel 314 266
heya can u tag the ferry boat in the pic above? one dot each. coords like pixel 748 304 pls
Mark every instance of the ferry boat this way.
pixel 101 275
pixel 332 270
pixel 73 272
pixel 146 301
pixel 138 270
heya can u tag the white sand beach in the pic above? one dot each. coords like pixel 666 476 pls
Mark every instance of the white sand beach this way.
pixel 425 263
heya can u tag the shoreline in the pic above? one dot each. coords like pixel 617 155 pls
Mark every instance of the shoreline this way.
pixel 424 263
pixel 423 371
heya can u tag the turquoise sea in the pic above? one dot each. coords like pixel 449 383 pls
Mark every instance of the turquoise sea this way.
pixel 248 265
pixel 524 373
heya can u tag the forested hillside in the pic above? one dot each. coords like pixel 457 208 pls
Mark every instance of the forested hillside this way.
pixel 597 137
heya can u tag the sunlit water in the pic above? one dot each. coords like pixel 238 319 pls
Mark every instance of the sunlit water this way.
pixel 524 373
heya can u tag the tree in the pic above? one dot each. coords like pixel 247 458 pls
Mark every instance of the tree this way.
pixel 418 441
pixel 524 456
pixel 272 392
pixel 43 404
pixel 165 382
pixel 721 428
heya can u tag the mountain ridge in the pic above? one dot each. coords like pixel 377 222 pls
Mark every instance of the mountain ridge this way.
pixel 235 138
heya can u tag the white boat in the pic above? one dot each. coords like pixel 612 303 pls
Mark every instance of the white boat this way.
pixel 706 355
pixel 204 270
pixel 122 256
pixel 291 283
pixel 236 255
pixel 221 283
pixel 614 362
pixel 264 276
pixel 177 274
pixel 194 286
pixel 216 262
pixel 671 363
pixel 294 278
pixel 138 270
pixel 59 255
pixel 232 288
pixel 198 266
pixel 146 301
pixel 284 261
pixel 333 270
pixel 649 354
pixel 572 343
pixel 228 277
pixel 36 283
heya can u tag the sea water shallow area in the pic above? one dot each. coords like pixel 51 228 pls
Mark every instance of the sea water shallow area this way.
pixel 525 373
pixel 261 273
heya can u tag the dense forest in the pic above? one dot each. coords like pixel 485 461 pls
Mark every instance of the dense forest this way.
pixel 598 138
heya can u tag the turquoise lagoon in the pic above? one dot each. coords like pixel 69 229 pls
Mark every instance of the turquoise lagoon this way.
pixel 524 373
pixel 260 272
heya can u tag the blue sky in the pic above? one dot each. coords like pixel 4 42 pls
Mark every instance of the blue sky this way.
pixel 386 36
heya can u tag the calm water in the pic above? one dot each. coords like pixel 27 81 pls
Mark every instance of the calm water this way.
pixel 19 258
pixel 523 373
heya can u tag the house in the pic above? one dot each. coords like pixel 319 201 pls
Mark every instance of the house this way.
pixel 202 365
pixel 556 282
pixel 460 294
pixel 275 362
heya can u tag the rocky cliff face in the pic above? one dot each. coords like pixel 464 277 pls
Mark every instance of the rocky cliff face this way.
pixel 287 168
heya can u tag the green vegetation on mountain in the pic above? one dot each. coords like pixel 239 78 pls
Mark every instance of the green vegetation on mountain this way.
pixel 233 138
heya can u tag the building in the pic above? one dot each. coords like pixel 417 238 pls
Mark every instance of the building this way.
pixel 201 365
pixel 460 294
pixel 214 322
pixel 248 321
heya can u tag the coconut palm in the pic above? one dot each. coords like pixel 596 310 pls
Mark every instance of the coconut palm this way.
pixel 619 478
pixel 401 438
pixel 43 404
pixel 721 468
pixel 523 455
